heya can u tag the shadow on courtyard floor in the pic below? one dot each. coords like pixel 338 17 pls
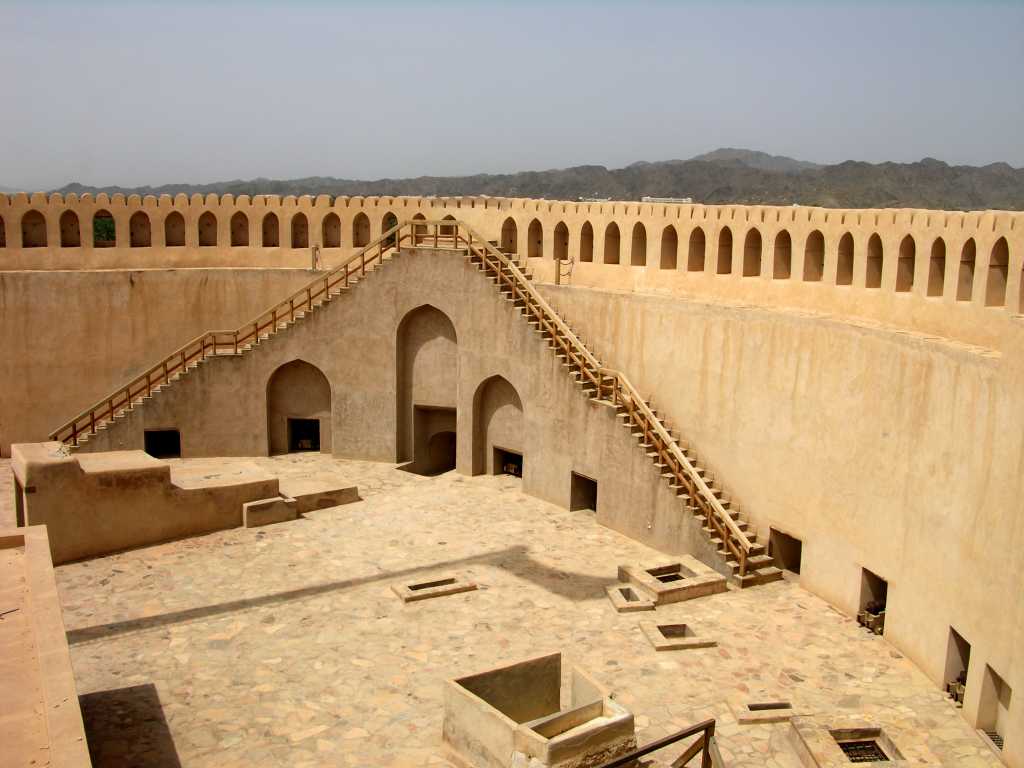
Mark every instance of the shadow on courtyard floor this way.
pixel 516 560
pixel 126 726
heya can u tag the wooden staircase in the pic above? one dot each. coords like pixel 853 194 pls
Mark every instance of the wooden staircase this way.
pixel 671 456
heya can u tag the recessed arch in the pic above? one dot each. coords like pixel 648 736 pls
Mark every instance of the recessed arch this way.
pixel 33 230
pixel 330 231
pixel 965 275
pixel 587 242
pixel 875 264
pixel 998 272
pixel 239 229
pixel 271 231
pixel 561 242
pixel 448 230
pixel 140 233
pixel 174 230
pixel 782 265
pixel 497 424
pixel 814 257
pixel 207 230
pixel 696 251
pixel 611 244
pixel 844 260
pixel 104 229
pixel 906 264
pixel 298 409
pixel 725 251
pixel 937 268
pixel 509 236
pixel 361 230
pixel 300 231
pixel 70 230
pixel 638 246
pixel 390 221
pixel 752 245
pixel 535 240
pixel 669 248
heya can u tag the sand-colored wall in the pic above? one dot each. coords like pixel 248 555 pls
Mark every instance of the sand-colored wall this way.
pixel 69 339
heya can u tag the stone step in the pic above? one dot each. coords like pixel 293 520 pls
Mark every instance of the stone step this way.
pixel 760 576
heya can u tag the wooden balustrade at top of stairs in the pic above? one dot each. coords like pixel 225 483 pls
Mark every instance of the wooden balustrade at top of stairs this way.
pixel 675 461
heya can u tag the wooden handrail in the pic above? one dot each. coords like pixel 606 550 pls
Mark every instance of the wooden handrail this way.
pixel 701 746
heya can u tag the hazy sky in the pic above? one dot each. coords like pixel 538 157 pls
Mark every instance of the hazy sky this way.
pixel 136 93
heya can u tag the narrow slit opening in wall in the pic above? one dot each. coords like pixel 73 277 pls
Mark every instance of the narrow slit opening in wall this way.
pixel 162 443
pixel 874 593
pixel 994 708
pixel 582 492
pixel 508 462
pixel 303 435
pixel 19 504
pixel 958 660
pixel 787 550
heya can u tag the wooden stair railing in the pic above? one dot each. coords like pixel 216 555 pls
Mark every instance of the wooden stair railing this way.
pixel 704 746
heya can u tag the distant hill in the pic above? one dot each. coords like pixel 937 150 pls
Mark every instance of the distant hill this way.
pixel 722 176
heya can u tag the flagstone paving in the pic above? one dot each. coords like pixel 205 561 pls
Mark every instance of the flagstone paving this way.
pixel 285 645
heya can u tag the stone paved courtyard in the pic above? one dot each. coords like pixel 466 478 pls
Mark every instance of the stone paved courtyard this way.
pixel 285 646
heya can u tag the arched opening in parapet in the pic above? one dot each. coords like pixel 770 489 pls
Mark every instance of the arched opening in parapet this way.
pixel 814 257
pixel 561 242
pixel 271 231
pixel 782 265
pixel 174 230
pixel 3 233
pixel 361 230
pixel 104 230
pixel 300 231
pixel 70 231
pixel 427 370
pixel 669 248
pixel 207 230
pixel 905 265
pixel 239 230
pixel 330 231
pixel 298 409
pixel 497 428
pixel 965 275
pixel 509 236
pixel 752 254
pixel 998 271
pixel 390 221
pixel 140 234
pixel 844 260
pixel 33 230
pixel 696 251
pixel 875 263
pixel 937 268
pixel 638 246
pixel 535 240
pixel 419 230
pixel 448 230
pixel 611 244
pixel 725 251
pixel 587 242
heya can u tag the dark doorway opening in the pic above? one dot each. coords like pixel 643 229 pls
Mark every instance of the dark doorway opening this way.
pixel 874 591
pixel 958 661
pixel 787 550
pixel 162 443
pixel 440 454
pixel 303 435
pixel 508 462
pixel 582 492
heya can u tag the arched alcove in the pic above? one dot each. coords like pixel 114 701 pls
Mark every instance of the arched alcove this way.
pixel 497 427
pixel 300 231
pixel 427 370
pixel 965 275
pixel 814 257
pixel 70 230
pixel 905 265
pixel 844 260
pixel 271 229
pixel 509 236
pixel 447 230
pixel 561 242
pixel 239 229
pixel 782 266
pixel 298 409
pixel 174 230
pixel 207 230
pixel 724 252
pixel 330 231
pixel 587 242
pixel 361 230
pixel 752 254
pixel 33 230
pixel 937 268
pixel 638 246
pixel 140 235
pixel 696 251
pixel 104 230
pixel 611 244
pixel 535 240
pixel 390 221
pixel 669 248
pixel 998 272
pixel 3 233
pixel 875 263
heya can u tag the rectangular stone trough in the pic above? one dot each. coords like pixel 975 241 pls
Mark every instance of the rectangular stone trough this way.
pixel 684 579
pixel 519 715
